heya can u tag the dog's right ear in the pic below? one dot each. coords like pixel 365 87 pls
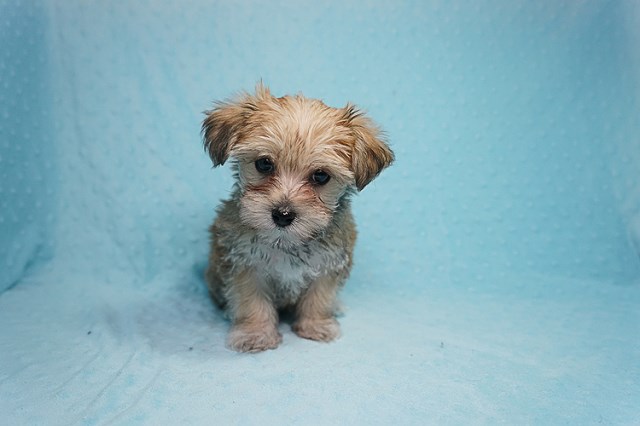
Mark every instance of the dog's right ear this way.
pixel 223 127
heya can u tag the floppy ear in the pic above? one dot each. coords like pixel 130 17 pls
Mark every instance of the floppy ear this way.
pixel 225 124
pixel 221 130
pixel 370 152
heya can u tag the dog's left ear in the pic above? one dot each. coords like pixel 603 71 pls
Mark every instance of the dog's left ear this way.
pixel 370 153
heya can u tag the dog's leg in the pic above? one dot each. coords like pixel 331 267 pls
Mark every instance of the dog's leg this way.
pixel 215 285
pixel 255 319
pixel 316 311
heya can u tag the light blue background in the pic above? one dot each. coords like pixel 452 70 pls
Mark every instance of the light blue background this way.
pixel 497 275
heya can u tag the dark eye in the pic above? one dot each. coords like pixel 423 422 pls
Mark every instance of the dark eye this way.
pixel 320 177
pixel 264 165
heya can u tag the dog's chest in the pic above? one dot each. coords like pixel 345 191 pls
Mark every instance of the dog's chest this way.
pixel 289 271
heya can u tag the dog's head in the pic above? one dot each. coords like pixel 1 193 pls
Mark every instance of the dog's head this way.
pixel 296 159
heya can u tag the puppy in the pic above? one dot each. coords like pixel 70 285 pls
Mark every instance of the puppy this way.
pixel 285 237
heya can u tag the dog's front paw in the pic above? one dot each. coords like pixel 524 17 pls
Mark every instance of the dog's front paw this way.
pixel 243 338
pixel 323 330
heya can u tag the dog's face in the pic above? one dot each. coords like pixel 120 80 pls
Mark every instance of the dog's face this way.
pixel 295 158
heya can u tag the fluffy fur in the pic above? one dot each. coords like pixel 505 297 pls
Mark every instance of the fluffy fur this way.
pixel 257 267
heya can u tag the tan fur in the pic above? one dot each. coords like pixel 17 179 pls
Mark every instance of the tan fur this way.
pixel 315 311
pixel 255 318
pixel 256 267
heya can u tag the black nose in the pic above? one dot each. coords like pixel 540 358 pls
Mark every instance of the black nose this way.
pixel 283 217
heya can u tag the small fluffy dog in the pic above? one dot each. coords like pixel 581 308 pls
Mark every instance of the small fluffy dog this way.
pixel 285 238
